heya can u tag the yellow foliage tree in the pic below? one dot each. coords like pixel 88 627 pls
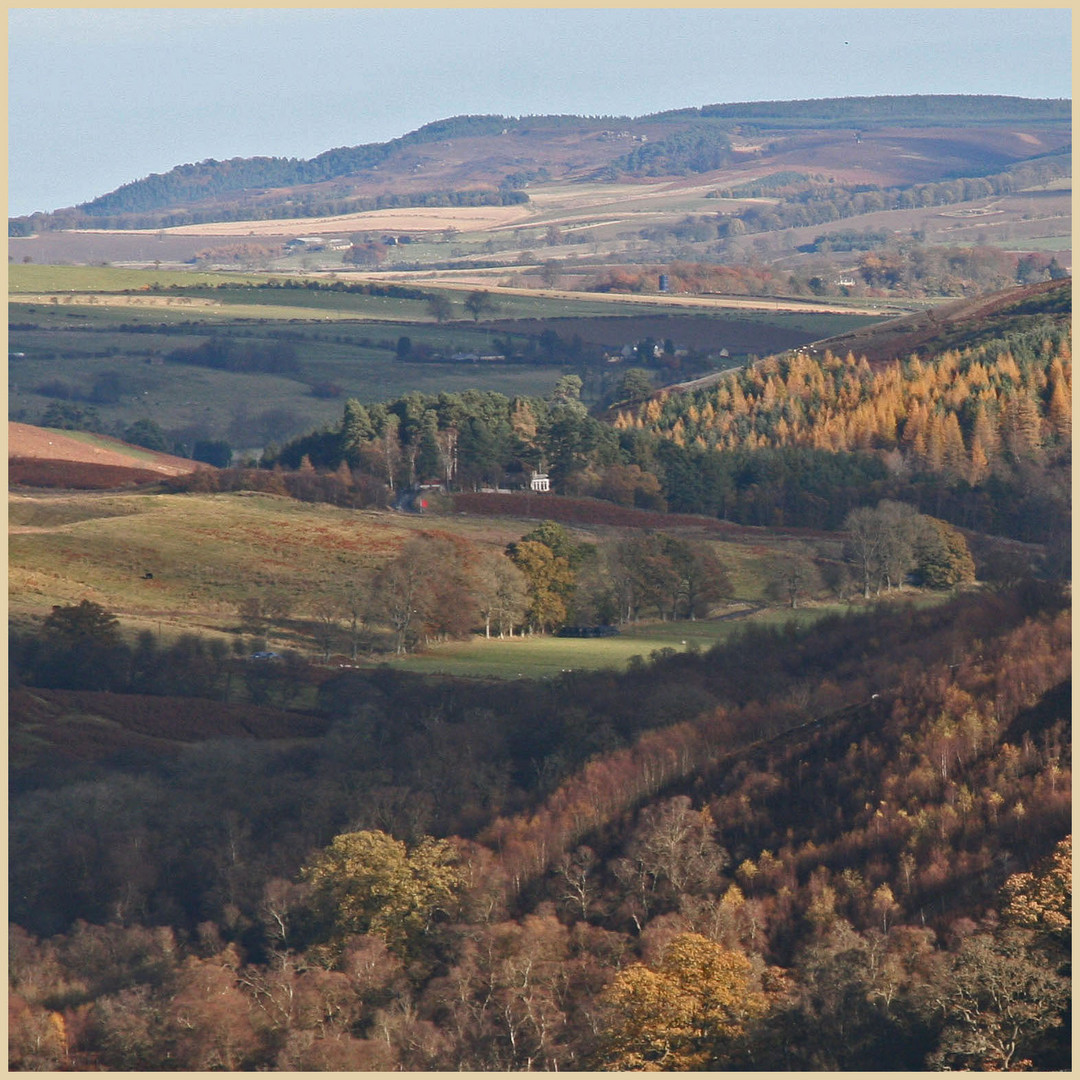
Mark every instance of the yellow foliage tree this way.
pixel 1042 900
pixel 369 883
pixel 689 1011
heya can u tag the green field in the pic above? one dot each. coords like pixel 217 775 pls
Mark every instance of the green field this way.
pixel 547 656
pixel 1040 243
pixel 96 337
pixel 33 278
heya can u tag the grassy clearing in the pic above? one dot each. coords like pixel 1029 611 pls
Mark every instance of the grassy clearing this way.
pixel 545 657
pixel 90 439
pixel 1039 243
pixel 208 552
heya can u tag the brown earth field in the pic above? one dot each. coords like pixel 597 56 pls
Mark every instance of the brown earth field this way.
pixel 42 457
pixel 91 725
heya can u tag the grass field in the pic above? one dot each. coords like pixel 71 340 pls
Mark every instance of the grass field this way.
pixel 541 657
pixel 206 552
pixel 74 329
pixel 32 278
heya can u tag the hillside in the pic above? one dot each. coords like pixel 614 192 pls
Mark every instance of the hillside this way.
pixel 848 821
pixel 960 324
pixel 898 137
pixel 965 323
pixel 40 457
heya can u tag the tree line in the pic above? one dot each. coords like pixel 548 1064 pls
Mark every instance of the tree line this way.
pixel 113 215
pixel 906 267
pixel 978 436
pixel 805 201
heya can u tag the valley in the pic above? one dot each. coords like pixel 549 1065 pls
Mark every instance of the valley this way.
pixel 550 593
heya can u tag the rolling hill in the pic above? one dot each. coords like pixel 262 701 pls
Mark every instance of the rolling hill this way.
pixel 878 141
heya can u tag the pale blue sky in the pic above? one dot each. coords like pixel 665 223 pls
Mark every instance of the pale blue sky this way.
pixel 99 97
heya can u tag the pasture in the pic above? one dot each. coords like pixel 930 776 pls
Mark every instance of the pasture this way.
pixel 32 278
pixel 548 656
pixel 97 337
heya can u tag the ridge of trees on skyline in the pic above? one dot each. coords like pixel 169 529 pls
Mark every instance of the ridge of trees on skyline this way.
pixel 698 143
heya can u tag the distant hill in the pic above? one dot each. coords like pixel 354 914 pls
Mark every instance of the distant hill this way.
pixel 466 160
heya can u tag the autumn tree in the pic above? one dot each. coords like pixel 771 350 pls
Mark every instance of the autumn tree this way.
pixel 369 883
pixel 864 545
pixel 703 577
pixel 501 593
pixel 209 1020
pixel 425 592
pixel 1041 899
pixel 796 577
pixel 850 1005
pixel 881 543
pixel 899 526
pixel 673 851
pixel 689 1011
pixel 400 592
pixel 549 583
pixel 943 559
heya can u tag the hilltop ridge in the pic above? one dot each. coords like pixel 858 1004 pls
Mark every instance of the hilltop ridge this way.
pixel 493 158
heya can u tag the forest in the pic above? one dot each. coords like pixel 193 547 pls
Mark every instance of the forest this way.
pixel 978 434
pixel 841 848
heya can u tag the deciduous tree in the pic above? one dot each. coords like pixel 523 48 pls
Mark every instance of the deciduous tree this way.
pixel 690 1011
pixel 368 882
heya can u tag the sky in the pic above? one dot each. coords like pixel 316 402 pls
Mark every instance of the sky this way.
pixel 99 97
